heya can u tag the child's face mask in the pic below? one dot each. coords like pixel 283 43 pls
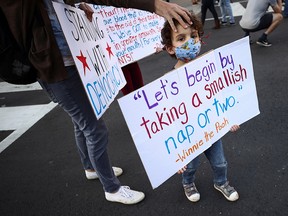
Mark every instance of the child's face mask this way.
pixel 188 51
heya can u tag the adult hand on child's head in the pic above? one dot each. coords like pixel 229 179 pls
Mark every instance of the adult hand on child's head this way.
pixel 234 128
pixel 170 11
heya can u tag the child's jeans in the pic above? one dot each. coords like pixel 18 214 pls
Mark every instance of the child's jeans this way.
pixel 215 155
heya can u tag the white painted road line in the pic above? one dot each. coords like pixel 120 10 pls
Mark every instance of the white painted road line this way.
pixel 6 87
pixel 20 119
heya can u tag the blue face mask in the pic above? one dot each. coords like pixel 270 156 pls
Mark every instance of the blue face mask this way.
pixel 188 51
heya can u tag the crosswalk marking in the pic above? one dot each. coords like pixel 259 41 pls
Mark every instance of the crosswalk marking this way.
pixel 237 9
pixel 6 87
pixel 19 119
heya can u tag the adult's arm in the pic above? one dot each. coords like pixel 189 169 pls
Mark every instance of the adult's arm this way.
pixel 165 9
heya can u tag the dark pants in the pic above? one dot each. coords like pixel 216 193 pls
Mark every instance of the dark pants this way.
pixel 208 4
pixel 265 22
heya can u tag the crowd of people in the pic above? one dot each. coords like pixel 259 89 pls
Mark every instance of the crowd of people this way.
pixel 255 18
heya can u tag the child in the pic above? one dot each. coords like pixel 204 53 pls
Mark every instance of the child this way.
pixel 185 45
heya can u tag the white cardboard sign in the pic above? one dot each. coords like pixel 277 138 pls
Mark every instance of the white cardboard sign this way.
pixel 178 116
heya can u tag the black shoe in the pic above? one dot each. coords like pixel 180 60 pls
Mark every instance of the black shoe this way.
pixel 264 43
pixel 223 23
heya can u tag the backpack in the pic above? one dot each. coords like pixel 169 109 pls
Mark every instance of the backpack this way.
pixel 15 67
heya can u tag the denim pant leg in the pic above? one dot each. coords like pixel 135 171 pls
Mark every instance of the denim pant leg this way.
pixel 223 11
pixel 188 176
pixel 228 10
pixel 82 148
pixel 91 134
pixel 215 155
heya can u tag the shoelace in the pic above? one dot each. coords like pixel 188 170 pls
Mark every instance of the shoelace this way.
pixel 190 188
pixel 228 188
pixel 124 190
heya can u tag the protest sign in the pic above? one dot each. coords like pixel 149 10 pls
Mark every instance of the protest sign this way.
pixel 134 33
pixel 178 116
pixel 114 38
pixel 98 68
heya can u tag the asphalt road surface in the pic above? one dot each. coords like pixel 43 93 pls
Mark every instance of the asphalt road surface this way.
pixel 41 173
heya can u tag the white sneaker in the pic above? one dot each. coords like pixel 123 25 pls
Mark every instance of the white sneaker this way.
pixel 191 192
pixel 125 195
pixel 93 175
pixel 229 192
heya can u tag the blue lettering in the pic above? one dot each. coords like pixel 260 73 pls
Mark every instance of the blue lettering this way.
pixel 182 136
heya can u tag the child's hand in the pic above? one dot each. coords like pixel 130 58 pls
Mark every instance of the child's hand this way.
pixel 159 49
pixel 182 170
pixel 234 128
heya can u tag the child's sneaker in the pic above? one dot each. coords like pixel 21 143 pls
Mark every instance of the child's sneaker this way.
pixel 125 195
pixel 229 192
pixel 191 192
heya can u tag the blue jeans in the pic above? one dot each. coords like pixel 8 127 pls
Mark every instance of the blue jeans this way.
pixel 91 134
pixel 215 155
pixel 226 9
